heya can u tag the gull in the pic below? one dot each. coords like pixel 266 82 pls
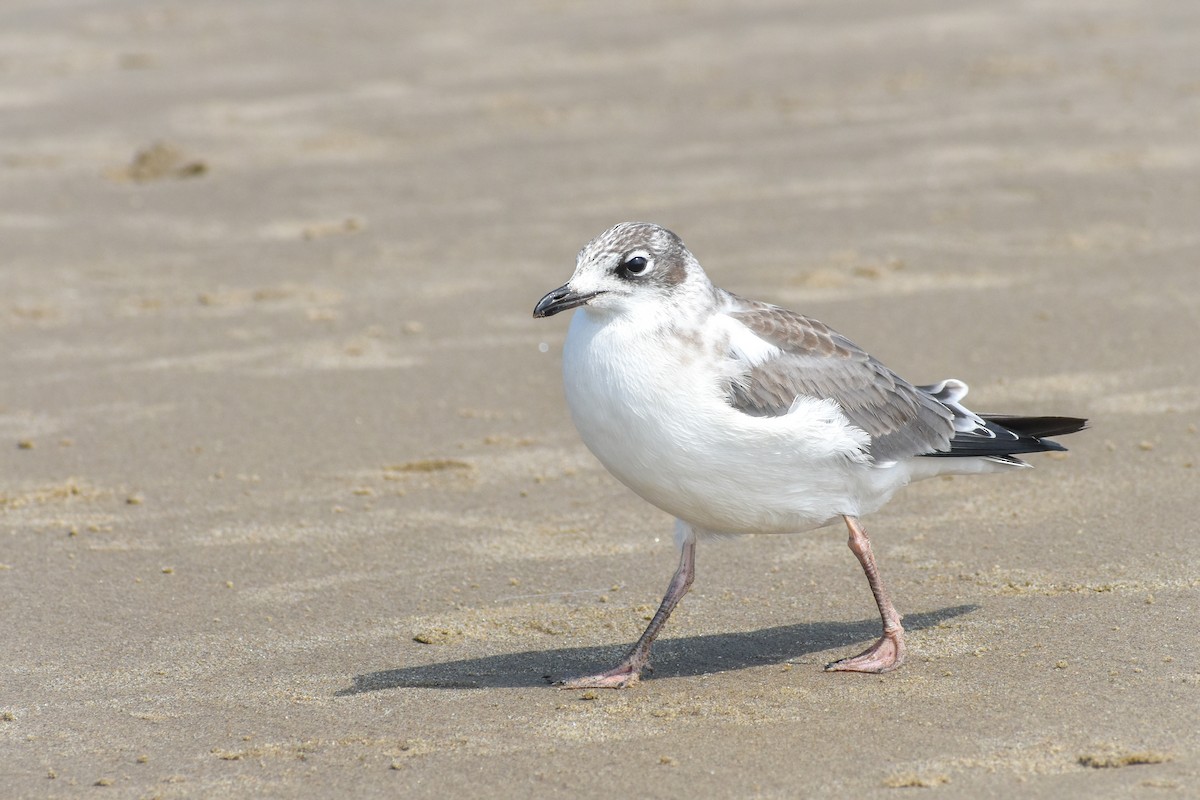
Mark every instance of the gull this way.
pixel 736 416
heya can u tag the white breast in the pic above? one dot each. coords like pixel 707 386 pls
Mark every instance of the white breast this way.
pixel 649 403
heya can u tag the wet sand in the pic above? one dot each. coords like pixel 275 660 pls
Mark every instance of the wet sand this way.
pixel 290 503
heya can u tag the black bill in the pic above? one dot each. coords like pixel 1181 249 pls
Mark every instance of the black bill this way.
pixel 561 299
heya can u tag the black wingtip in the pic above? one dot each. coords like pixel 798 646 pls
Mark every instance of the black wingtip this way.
pixel 1038 427
pixel 1011 435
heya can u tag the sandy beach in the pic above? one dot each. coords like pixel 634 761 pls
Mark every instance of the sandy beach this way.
pixel 290 501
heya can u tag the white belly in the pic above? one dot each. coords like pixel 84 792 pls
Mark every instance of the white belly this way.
pixel 658 420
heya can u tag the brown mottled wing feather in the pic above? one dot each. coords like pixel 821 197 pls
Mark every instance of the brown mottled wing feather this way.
pixel 817 361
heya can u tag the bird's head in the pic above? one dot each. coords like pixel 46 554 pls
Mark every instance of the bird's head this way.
pixel 630 266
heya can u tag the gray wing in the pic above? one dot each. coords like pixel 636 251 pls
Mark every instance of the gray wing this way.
pixel 816 361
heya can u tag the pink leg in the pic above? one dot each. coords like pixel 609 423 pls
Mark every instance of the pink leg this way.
pixel 887 653
pixel 630 669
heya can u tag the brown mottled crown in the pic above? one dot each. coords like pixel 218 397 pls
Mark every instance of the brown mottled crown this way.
pixel 667 250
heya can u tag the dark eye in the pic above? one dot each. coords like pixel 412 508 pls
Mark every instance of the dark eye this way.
pixel 635 265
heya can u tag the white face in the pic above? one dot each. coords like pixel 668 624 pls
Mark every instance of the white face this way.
pixel 617 279
pixel 634 265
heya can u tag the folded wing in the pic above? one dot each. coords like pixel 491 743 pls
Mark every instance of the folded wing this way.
pixel 788 355
pixel 808 358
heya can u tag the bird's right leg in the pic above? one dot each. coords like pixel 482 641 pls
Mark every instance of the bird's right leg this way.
pixel 630 669
pixel 887 653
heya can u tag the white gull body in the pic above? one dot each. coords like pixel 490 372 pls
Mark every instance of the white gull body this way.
pixel 659 420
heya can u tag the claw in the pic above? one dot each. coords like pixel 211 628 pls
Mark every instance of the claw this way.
pixel 883 656
pixel 619 677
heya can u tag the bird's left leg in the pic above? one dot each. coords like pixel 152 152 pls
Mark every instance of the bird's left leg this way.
pixel 887 653
pixel 630 669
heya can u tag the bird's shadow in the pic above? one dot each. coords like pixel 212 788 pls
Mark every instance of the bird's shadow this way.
pixel 691 655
